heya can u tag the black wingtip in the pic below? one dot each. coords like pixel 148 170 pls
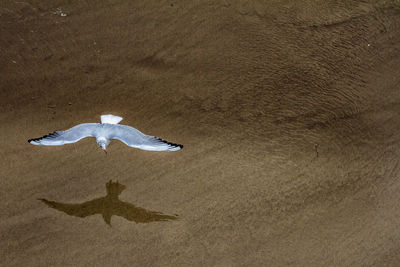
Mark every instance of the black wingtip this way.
pixel 34 140
pixel 169 143
pixel 53 134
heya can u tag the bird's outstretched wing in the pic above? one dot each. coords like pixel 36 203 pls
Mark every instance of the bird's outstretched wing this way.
pixel 82 210
pixel 72 135
pixel 134 138
pixel 141 215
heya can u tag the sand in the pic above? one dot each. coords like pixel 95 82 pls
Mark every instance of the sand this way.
pixel 289 114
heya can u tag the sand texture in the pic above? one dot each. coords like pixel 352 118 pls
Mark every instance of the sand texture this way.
pixel 289 113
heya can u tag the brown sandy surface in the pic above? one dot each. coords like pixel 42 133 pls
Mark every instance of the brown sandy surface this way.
pixel 252 90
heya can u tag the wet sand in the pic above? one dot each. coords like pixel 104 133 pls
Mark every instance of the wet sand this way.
pixel 289 115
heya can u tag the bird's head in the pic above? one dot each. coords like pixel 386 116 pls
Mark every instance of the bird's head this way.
pixel 103 142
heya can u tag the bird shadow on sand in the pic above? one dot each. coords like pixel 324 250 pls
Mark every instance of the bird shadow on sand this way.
pixel 110 205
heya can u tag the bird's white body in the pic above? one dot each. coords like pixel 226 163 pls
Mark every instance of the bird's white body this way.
pixel 105 131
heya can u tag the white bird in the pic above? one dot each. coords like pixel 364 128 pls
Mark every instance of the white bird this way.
pixel 105 131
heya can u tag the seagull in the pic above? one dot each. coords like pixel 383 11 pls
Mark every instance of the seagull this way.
pixel 105 131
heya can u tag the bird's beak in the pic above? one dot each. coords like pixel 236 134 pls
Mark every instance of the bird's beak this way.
pixel 105 151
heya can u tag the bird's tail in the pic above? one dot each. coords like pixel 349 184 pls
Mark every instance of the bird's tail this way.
pixel 111 119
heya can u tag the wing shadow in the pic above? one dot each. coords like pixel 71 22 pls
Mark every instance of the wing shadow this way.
pixel 110 205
